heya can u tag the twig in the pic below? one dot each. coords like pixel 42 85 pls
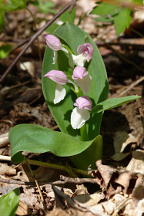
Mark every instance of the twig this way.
pixel 11 181
pixel 65 180
pixel 5 158
pixel 3 140
pixel 70 201
pixel 50 22
pixel 132 86
pixel 59 167
pixel 50 165
pixel 124 58
pixel 20 44
pixel 136 44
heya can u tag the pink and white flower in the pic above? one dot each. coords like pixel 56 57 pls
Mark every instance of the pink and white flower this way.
pixel 60 78
pixel 86 50
pixel 81 113
pixel 81 78
pixel 85 53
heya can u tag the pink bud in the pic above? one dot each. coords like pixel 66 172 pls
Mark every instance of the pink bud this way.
pixel 57 76
pixel 79 73
pixel 83 103
pixel 53 42
pixel 87 50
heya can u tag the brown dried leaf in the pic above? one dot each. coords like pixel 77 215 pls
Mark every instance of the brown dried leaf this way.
pixel 124 179
pixel 7 170
pixel 136 165
pixel 105 171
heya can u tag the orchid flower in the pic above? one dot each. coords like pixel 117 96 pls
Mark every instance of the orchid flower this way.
pixel 60 78
pixel 54 43
pixel 81 78
pixel 85 53
pixel 81 113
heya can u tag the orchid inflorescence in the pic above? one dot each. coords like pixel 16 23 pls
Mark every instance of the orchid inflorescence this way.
pixel 80 79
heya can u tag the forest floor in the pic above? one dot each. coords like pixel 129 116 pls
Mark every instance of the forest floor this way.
pixel 117 186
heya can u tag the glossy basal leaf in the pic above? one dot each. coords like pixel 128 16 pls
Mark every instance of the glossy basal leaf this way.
pixel 37 139
pixel 9 203
pixel 113 103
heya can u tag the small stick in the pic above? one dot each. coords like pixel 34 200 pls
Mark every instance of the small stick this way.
pixel 11 181
pixel 65 180
pixel 4 140
pixel 5 158
pixel 34 37
pixel 132 86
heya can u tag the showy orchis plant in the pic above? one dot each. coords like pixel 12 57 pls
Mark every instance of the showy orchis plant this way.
pixel 80 80
pixel 75 87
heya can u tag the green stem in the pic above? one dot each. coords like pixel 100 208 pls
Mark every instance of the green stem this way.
pixel 70 171
pixel 83 133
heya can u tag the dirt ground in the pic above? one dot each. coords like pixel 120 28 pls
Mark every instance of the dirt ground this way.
pixel 119 178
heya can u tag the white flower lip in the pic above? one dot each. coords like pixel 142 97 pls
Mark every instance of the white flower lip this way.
pixel 79 117
pixel 81 113
pixel 60 93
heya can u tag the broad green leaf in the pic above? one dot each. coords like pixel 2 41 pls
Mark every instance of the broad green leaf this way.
pixel 46 6
pixel 122 20
pixel 113 103
pixel 104 19
pixel 37 139
pixel 105 9
pixel 68 16
pixel 90 156
pixel 99 86
pixel 15 5
pixel 52 28
pixel 9 203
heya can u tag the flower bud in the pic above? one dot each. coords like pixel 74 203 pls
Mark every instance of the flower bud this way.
pixel 83 103
pixel 79 73
pixel 53 42
pixel 57 76
pixel 86 50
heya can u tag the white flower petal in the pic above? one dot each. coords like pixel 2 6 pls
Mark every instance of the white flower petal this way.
pixel 79 59
pixel 79 117
pixel 60 93
pixel 84 83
